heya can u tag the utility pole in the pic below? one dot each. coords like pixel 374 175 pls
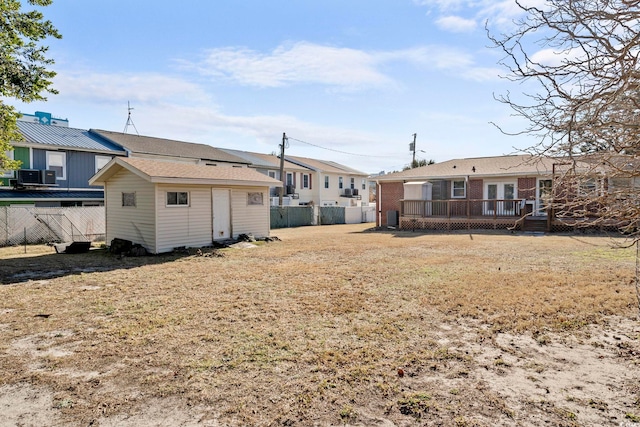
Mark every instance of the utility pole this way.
pixel 283 178
pixel 412 147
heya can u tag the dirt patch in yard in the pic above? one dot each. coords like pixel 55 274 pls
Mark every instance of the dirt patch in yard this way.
pixel 332 325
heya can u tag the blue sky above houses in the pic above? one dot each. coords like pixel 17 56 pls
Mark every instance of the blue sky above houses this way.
pixel 357 78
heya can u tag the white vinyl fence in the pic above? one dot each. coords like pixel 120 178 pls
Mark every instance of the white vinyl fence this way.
pixel 29 225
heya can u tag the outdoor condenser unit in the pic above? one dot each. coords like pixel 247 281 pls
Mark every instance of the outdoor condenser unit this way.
pixel 28 176
pixel 48 177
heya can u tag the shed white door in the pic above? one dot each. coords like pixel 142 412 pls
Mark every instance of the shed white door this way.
pixel 221 210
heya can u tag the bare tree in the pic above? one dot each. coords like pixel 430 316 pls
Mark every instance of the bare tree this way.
pixel 578 60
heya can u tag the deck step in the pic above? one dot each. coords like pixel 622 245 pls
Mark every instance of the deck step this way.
pixel 534 224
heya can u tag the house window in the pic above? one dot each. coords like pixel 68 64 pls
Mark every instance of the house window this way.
pixel 340 184
pixel 129 199
pixel 326 181
pixel 305 180
pixel 101 161
pixel 458 189
pixel 8 173
pixel 272 174
pixel 289 178
pixel 57 161
pixel 177 198
pixel 353 183
pixel 364 184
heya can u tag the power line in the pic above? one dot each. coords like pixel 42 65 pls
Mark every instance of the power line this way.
pixel 334 150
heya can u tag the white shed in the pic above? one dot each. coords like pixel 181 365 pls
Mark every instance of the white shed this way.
pixel 163 205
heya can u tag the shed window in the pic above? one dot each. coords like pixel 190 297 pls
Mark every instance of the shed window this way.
pixel 458 189
pixel 177 198
pixel 129 199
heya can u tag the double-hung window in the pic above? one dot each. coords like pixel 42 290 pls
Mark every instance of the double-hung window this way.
pixel 101 161
pixel 326 181
pixel 57 161
pixel 340 183
pixel 458 189
pixel 8 173
pixel 353 183
pixel 305 180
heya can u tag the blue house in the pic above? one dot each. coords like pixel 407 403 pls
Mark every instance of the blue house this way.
pixel 57 162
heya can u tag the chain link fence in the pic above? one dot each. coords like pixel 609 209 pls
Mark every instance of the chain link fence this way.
pixel 29 225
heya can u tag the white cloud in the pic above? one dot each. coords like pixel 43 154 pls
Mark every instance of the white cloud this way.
pixel 299 63
pixel 103 87
pixel 456 24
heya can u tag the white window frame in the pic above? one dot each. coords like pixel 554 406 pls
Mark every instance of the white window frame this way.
pixel 178 202
pixel 326 181
pixel 63 157
pixel 101 161
pixel 289 178
pixel 340 183
pixel 364 184
pixel 352 183
pixel 454 188
pixel 306 178
pixel 8 173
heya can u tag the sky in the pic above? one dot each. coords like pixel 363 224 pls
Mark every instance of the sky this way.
pixel 349 81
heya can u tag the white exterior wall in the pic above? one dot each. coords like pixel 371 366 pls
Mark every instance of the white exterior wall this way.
pixel 136 224
pixel 188 226
pixel 328 196
pixel 245 218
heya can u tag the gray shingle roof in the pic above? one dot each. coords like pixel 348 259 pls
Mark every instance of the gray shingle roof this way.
pixel 167 147
pixel 64 137
pixel 480 166
pixel 268 161
pixel 323 165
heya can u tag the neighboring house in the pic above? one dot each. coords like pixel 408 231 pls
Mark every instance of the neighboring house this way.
pixel 328 183
pixel 162 205
pixel 269 164
pixel 167 149
pixel 57 162
pixel 486 192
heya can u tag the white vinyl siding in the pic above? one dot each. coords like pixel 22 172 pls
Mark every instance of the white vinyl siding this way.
pixel 252 219
pixel 188 226
pixel 131 223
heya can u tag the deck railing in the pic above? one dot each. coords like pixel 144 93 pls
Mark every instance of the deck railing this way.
pixel 460 208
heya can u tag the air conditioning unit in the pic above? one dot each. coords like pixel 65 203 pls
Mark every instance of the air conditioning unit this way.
pixel 28 176
pixel 348 192
pixel 354 191
pixel 291 189
pixel 48 177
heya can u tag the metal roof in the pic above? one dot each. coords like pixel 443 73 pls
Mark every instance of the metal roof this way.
pixel 139 144
pixel 50 195
pixel 65 137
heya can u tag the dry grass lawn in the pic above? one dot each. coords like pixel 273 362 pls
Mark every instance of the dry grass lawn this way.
pixel 333 325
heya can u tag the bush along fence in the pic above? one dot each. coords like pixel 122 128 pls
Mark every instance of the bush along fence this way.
pixel 297 216
pixel 29 225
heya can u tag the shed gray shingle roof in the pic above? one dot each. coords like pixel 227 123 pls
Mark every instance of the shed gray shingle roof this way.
pixel 171 171
pixel 64 137
pixel 167 147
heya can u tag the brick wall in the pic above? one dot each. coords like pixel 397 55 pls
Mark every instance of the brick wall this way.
pixel 475 189
pixel 527 188
pixel 388 199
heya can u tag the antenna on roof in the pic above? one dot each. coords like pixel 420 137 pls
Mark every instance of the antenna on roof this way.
pixel 129 120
